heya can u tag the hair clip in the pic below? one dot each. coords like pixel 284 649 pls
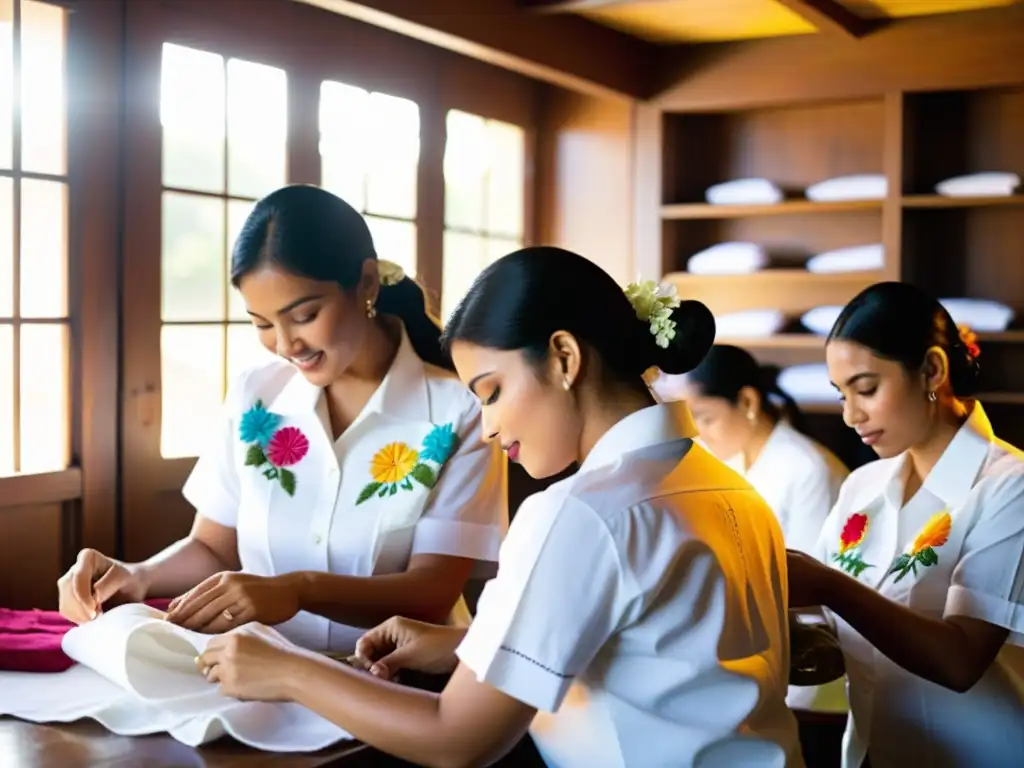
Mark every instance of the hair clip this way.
pixel 653 305
pixel 970 340
pixel 389 272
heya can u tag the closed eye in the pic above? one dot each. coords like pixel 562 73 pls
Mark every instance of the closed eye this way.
pixel 306 318
pixel 493 398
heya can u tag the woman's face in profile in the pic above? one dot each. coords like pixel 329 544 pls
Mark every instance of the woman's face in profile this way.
pixel 524 407
pixel 722 425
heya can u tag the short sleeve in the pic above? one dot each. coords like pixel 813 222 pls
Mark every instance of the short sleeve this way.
pixel 213 485
pixel 988 581
pixel 542 620
pixel 467 513
pixel 808 510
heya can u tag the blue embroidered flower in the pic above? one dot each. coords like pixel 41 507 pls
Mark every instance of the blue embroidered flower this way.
pixel 439 444
pixel 258 425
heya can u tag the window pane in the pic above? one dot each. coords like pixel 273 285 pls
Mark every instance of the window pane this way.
pixel 496 248
pixel 6 247
pixel 6 84
pixel 344 136
pixel 44 398
pixel 193 257
pixel 192 387
pixel 394 153
pixel 257 127
pixel 6 400
pixel 465 165
pixel 244 350
pixel 43 102
pixel 464 257
pixel 505 184
pixel 238 211
pixel 395 241
pixel 44 263
pixel 192 116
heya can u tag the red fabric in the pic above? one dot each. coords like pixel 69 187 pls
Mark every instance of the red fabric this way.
pixel 30 640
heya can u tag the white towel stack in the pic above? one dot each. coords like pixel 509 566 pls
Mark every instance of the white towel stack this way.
pixel 744 192
pixel 981 315
pixel 821 319
pixel 865 186
pixel 733 258
pixel 751 323
pixel 979 185
pixel 859 258
pixel 808 384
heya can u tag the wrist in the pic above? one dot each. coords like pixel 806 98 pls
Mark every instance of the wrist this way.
pixel 298 672
pixel 298 584
pixel 142 577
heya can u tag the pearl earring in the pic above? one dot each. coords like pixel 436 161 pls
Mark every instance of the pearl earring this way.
pixel 565 384
pixel 750 416
pixel 371 311
pixel 932 397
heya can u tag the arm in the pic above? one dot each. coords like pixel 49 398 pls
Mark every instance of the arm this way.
pixel 210 548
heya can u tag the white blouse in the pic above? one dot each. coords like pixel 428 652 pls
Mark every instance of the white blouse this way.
pixel 955 549
pixel 411 475
pixel 640 606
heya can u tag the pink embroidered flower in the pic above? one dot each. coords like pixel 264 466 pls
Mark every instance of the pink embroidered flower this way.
pixel 287 447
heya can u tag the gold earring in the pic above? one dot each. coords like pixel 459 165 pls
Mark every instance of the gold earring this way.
pixel 371 311
pixel 932 397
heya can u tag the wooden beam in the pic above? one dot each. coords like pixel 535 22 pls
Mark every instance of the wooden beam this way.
pixel 571 6
pixel 830 17
pixel 599 61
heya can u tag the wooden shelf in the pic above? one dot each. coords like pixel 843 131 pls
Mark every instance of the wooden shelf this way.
pixel 941 201
pixel 986 398
pixel 706 211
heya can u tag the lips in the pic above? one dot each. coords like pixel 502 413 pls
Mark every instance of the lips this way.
pixel 513 451
pixel 307 362
pixel 870 438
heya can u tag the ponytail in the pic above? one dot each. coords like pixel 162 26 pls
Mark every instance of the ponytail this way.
pixel 407 301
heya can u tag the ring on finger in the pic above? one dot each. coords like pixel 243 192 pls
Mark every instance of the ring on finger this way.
pixel 228 615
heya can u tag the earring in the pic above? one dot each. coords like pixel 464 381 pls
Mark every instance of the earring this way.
pixel 371 311
pixel 932 397
pixel 750 416
pixel 565 384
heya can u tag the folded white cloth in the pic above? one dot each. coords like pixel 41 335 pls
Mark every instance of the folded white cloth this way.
pixel 859 258
pixel 866 186
pixel 744 192
pixel 733 258
pixel 136 675
pixel 756 323
pixel 820 319
pixel 808 383
pixel 979 185
pixel 982 315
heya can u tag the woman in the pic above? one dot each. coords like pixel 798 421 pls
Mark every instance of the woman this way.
pixel 921 558
pixel 732 400
pixel 348 480
pixel 642 599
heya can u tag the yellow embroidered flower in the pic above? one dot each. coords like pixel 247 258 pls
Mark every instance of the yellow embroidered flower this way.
pixel 935 533
pixel 393 463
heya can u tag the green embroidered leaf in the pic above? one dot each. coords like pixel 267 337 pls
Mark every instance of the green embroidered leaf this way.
pixel 367 492
pixel 407 484
pixel 928 556
pixel 270 474
pixel 259 405
pixel 254 457
pixel 287 481
pixel 394 489
pixel 858 566
pixel 901 564
pixel 383 492
pixel 424 475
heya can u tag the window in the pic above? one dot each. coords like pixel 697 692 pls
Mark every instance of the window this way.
pixel 484 163
pixel 369 157
pixel 34 407
pixel 224 146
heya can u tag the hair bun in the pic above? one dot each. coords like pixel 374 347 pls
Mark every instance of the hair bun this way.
pixel 695 335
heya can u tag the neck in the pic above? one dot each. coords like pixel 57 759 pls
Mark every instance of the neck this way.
pixel 374 360
pixel 602 413
pixel 949 417
pixel 763 427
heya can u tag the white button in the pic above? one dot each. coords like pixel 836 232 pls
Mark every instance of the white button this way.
pixel 317 538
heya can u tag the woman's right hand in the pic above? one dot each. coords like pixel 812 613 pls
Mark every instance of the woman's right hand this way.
pixel 92 581
pixel 399 644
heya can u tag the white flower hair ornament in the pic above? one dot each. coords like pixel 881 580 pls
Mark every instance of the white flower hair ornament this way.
pixel 653 305
pixel 389 272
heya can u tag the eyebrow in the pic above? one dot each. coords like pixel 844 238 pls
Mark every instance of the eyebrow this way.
pixel 857 377
pixel 473 383
pixel 293 305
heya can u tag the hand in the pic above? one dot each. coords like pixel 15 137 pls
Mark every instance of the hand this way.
pixel 92 581
pixel 227 600
pixel 249 664
pixel 809 580
pixel 399 644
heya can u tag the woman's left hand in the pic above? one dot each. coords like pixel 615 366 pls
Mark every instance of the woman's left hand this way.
pixel 248 665
pixel 808 579
pixel 230 599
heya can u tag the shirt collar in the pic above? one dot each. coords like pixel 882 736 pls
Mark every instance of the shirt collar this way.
pixel 649 426
pixel 402 394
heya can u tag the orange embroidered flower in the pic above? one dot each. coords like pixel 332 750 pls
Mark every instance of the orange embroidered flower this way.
pixel 970 340
pixel 853 533
pixel 932 535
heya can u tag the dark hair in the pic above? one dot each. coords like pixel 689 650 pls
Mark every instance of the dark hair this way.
pixel 520 300
pixel 900 322
pixel 307 231
pixel 726 370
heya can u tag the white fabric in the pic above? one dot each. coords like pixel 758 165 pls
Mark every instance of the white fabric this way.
pixel 866 186
pixel 979 185
pixel 981 315
pixel 322 528
pixel 744 192
pixel 979 572
pixel 733 258
pixel 858 258
pixel 137 676
pixel 749 323
pixel 640 607
pixel 820 319
pixel 808 383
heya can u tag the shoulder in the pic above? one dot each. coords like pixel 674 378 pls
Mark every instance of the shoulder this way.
pixel 1001 481
pixel 867 481
pixel 800 453
pixel 450 400
pixel 264 381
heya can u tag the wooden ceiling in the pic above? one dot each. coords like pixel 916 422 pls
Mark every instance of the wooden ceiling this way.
pixel 703 21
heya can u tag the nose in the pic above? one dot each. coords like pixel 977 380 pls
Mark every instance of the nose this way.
pixel 488 427
pixel 284 343
pixel 852 414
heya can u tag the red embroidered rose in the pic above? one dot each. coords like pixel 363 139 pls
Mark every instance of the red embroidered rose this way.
pixel 853 532
pixel 287 447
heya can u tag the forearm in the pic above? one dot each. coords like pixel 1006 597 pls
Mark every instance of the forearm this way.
pixel 179 567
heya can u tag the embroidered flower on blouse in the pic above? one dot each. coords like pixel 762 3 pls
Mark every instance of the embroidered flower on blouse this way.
pixel 397 464
pixel 934 534
pixel 653 305
pixel 850 538
pixel 280 448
